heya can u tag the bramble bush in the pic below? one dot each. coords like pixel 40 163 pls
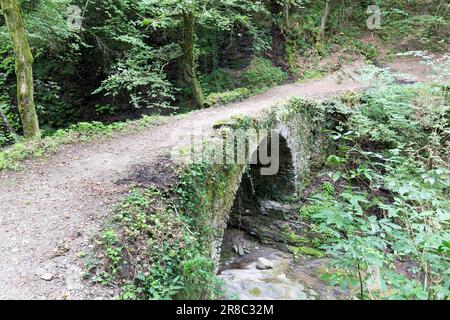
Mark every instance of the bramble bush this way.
pixel 262 73
pixel 388 227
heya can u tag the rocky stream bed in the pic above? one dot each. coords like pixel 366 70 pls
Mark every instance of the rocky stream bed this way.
pixel 252 271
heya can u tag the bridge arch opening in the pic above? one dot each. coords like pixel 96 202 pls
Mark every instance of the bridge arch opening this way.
pixel 258 194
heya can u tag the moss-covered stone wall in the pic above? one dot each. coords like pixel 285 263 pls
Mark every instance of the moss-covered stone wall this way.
pixel 209 190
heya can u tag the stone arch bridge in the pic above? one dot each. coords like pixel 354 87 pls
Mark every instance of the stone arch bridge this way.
pixel 279 148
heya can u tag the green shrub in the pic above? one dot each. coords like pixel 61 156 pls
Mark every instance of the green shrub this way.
pixel 239 94
pixel 151 252
pixel 140 76
pixel 219 80
pixel 417 31
pixel 198 276
pixel 393 209
pixel 262 74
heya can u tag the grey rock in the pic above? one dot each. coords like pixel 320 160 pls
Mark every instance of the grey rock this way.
pixel 39 271
pixel 47 276
pixel 275 209
pixel 264 264
pixel 251 284
pixel 241 251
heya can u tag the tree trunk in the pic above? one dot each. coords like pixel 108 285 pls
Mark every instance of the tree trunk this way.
pixel 279 33
pixel 188 59
pixel 7 125
pixel 323 23
pixel 286 9
pixel 24 68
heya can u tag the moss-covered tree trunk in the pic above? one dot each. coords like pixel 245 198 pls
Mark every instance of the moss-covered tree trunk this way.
pixel 286 10
pixel 24 68
pixel 188 58
pixel 323 23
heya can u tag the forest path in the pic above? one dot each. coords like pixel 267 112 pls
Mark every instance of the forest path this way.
pixel 50 210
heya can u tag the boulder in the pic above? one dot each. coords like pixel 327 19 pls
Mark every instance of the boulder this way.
pixel 264 264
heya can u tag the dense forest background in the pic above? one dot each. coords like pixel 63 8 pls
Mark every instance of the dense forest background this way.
pixel 134 57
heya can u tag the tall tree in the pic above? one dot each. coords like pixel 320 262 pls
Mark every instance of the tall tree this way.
pixel 188 57
pixel 288 5
pixel 281 29
pixel 323 22
pixel 180 15
pixel 186 17
pixel 24 68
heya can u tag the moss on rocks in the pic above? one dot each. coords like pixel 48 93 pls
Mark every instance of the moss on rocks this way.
pixel 299 251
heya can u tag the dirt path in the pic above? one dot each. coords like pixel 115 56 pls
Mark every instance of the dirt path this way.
pixel 50 209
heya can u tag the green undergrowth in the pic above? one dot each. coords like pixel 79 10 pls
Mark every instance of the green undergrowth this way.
pixel 301 251
pixel 12 156
pixel 258 77
pixel 151 250
pixel 158 244
pixel 222 98
pixel 383 209
pixel 262 73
